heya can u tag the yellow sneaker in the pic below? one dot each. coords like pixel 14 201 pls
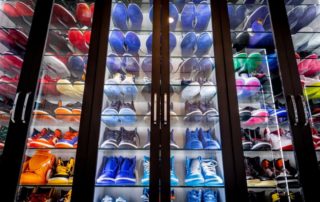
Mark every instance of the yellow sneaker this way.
pixel 61 174
pixel 65 196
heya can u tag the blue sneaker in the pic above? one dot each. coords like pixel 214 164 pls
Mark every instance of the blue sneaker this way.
pixel 173 15
pixel 107 198
pixel 172 42
pixel 112 89
pixel 76 66
pixel 146 171
pixel 194 176
pixel 211 178
pixel 194 196
pixel 187 67
pixel 149 44
pixel 310 12
pixel 127 114
pixel 237 14
pixel 207 141
pixel 208 91
pixel 259 14
pixel 203 15
pixel 204 43
pixel 117 41
pixel 132 42
pixel 146 65
pixel 109 169
pixel 114 64
pixel 192 140
pixel 129 139
pixel 110 114
pixel 119 16
pixel 135 16
pixel 173 144
pixel 260 39
pixel 193 113
pixel 174 181
pixel 130 64
pixel 147 144
pixel 206 65
pixel 128 88
pixel 120 199
pixel 126 174
pixel 209 196
pixel 188 16
pixel 145 195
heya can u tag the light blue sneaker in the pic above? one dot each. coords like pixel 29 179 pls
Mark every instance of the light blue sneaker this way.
pixel 194 196
pixel 146 171
pixel 135 16
pixel 107 198
pixel 110 114
pixel 190 90
pixel 188 16
pixel 192 139
pixel 120 199
pixel 145 195
pixel 112 89
pixel 194 175
pixel 203 15
pixel 209 172
pixel 128 89
pixel 207 140
pixel 127 114
pixel 204 43
pixel 209 196
pixel 174 181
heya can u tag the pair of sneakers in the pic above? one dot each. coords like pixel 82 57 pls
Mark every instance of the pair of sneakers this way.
pixel 119 113
pixel 127 17
pixel 201 112
pixel 196 44
pixel 200 139
pixel 202 195
pixel 117 170
pixel 198 90
pixel 255 140
pixel 196 68
pixel 202 172
pixel 122 43
pixel 120 88
pixel 126 139
pixel 125 64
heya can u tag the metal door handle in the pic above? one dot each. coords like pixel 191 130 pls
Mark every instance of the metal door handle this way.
pixel 23 116
pixel 165 111
pixel 295 110
pixel 13 110
pixel 155 108
pixel 305 110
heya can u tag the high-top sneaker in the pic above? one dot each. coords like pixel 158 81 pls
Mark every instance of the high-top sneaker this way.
pixel 129 138
pixel 194 175
pixel 192 139
pixel 111 138
pixel 126 174
pixel 146 171
pixel 207 140
pixel 174 181
pixel 284 177
pixel 209 172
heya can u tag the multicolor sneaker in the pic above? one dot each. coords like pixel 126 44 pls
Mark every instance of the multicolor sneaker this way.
pixel 129 139
pixel 207 140
pixel 194 175
pixel 41 194
pixel 174 181
pixel 69 139
pixel 111 138
pixel 63 172
pixel 209 172
pixel 46 141
pixel 108 170
pixel 146 171
pixel 192 139
pixel 126 174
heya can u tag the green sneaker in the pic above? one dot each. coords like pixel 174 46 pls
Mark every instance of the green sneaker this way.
pixel 253 62
pixel 239 60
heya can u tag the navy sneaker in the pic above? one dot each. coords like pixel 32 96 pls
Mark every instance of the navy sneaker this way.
pixel 109 169
pixel 111 138
pixel 209 196
pixel 204 43
pixel 194 175
pixel 146 171
pixel 207 140
pixel 192 140
pixel 194 196
pixel 126 174
pixel 209 172
pixel 129 139
pixel 174 181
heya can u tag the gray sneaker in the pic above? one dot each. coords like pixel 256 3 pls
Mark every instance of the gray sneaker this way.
pixel 111 138
pixel 193 112
pixel 129 139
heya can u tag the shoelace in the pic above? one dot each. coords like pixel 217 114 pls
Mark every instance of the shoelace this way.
pixel 209 167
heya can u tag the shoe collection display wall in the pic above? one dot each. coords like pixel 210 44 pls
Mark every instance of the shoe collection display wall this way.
pixel 173 100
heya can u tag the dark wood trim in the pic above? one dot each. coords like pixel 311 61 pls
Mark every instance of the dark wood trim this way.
pixel 17 134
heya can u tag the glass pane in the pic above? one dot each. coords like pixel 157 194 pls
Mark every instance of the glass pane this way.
pixel 50 152
pixel 123 152
pixel 15 23
pixel 270 163
pixel 196 157
pixel 305 32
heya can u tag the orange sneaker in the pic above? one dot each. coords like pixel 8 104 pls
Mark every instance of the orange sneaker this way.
pixel 46 141
pixel 69 140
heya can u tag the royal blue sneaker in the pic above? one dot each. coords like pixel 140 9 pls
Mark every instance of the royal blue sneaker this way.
pixel 174 181
pixel 237 13
pixel 126 174
pixel 209 196
pixel 194 175
pixel 127 114
pixel 208 167
pixel 108 171
pixel 135 16
pixel 119 16
pixel 192 140
pixel 114 64
pixel 207 141
pixel 117 41
pixel 188 16
pixel 172 42
pixel 260 39
pixel 204 43
pixel 132 42
pixel 174 16
pixel 259 14
pixel 203 15
pixel 188 44
pixel 76 66
pixel 146 171
pixel 110 114
pixel 194 196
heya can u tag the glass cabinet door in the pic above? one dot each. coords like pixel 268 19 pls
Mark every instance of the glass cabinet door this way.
pixel 15 23
pixel 305 32
pixel 196 165
pixel 49 157
pixel 270 166
pixel 123 156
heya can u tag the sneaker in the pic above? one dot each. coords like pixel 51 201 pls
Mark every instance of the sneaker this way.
pixel 129 139
pixel 37 135
pixel 247 141
pixel 126 174
pixel 147 145
pixel 127 114
pixel 108 170
pixel 253 169
pixel 107 198
pixel 173 144
pixel 192 139
pixel 203 16
pixel 48 85
pixel 66 196
pixel 260 142
pixel 84 13
pixel 120 199
pixel 208 91
pixel 174 181
pixel 288 174
pixel 193 112
pixel 111 138
pixel 63 172
pixel 267 170
pixel 77 66
pixel 210 114
pixel 127 18
pixel 47 141
pixel 128 87
pixel 112 89
pixel 110 114
pixel 194 175
pixel 194 196
pixel 190 90
pixel 146 171
pixel 36 168
pixel 41 195
pixel 207 141
pixel 209 172
pixel 209 196
pixel 69 139
pixel 204 44
pixel 280 139
pixel 3 135
pixel 145 195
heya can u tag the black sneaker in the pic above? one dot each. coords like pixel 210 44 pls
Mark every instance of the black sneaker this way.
pixel 286 174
